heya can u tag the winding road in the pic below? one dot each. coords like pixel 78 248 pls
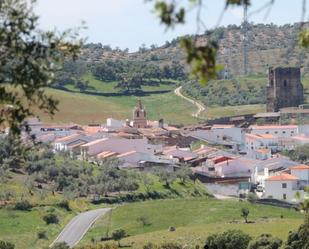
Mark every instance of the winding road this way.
pixel 200 107
pixel 75 230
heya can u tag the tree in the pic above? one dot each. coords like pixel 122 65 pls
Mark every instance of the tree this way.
pixel 147 181
pixel 129 83
pixel 29 58
pixel 299 239
pixel 166 177
pixel 184 173
pixel 202 56
pixel 230 239
pixel 265 241
pixel 245 213
pixel 118 235
pixel 6 245
pixel 12 154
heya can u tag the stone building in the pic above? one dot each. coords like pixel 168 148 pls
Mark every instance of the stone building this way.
pixel 139 116
pixel 284 88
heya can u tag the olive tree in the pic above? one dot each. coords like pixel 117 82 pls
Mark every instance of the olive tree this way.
pixel 29 59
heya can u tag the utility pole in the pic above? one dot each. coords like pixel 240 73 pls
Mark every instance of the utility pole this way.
pixel 245 40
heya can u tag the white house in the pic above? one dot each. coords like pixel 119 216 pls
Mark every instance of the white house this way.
pixel 275 130
pixel 110 122
pixel 302 172
pixel 282 187
pixel 118 146
pixel 68 142
pixel 256 142
pixel 221 134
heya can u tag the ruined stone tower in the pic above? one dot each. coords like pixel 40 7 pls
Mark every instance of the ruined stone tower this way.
pixel 284 88
pixel 139 116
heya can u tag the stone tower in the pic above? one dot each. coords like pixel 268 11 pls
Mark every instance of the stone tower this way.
pixel 139 116
pixel 284 88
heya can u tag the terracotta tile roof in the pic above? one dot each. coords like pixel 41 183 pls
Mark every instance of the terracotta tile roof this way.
pixel 264 151
pixel 66 138
pixel 106 154
pixel 300 167
pixel 94 142
pixel 266 136
pixel 282 177
pixel 127 153
pixel 259 136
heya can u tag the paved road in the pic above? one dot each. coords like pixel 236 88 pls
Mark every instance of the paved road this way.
pixel 200 107
pixel 78 226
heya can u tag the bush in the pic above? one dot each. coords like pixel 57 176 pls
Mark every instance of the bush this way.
pixel 252 197
pixel 6 245
pixel 170 245
pixel 245 213
pixel 118 235
pixel 51 219
pixel 65 204
pixel 230 239
pixel 265 241
pixel 23 205
pixel 99 246
pixel 42 235
pixel 60 245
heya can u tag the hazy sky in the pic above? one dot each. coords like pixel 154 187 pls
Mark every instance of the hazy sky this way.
pixel 130 23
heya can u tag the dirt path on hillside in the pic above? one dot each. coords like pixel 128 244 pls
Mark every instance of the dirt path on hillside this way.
pixel 200 107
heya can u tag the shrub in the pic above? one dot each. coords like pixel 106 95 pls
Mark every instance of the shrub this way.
pixel 23 205
pixel 118 235
pixel 245 213
pixel 42 235
pixel 65 204
pixel 170 245
pixel 144 221
pixel 99 246
pixel 230 239
pixel 265 241
pixel 60 245
pixel 51 219
pixel 150 246
pixel 6 245
pixel 252 197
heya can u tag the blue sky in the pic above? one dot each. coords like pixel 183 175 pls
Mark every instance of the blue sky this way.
pixel 130 23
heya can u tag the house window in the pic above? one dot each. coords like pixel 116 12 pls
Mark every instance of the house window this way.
pixel 283 185
pixel 267 132
pixel 284 196
pixel 285 83
pixel 276 132
pixel 283 132
pixel 137 114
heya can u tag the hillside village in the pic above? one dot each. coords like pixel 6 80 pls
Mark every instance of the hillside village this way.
pixel 247 154
pixel 201 142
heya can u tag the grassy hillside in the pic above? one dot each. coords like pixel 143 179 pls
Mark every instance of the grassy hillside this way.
pixel 103 101
pixel 249 90
pixel 194 219
pixel 22 227
pixel 269 45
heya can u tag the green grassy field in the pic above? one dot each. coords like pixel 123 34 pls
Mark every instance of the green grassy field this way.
pixel 194 219
pixel 92 108
pixel 102 101
pixel 22 227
